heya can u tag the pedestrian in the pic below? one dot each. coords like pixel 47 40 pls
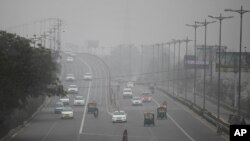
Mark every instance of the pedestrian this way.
pixel 125 135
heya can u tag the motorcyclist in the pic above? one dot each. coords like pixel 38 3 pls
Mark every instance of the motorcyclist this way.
pixel 125 135
pixel 96 113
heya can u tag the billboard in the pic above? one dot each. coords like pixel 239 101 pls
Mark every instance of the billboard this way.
pixel 189 62
pixel 211 51
pixel 230 62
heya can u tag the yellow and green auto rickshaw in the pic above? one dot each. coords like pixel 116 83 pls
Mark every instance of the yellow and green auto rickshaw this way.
pixel 92 106
pixel 162 112
pixel 149 118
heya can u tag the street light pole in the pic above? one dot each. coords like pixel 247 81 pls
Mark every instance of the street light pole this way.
pixel 178 69
pixel 162 62
pixel 220 18
pixel 241 12
pixel 174 42
pixel 195 26
pixel 186 40
pixel 205 23
pixel 141 60
pixel 153 63
pixel 169 65
pixel 158 62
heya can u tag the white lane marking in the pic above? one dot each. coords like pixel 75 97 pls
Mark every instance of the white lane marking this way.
pixel 94 92
pixel 107 106
pixel 101 90
pixel 45 137
pixel 85 109
pixel 184 132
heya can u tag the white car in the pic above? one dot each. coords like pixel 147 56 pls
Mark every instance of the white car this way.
pixel 137 100
pixel 67 112
pixel 119 116
pixel 70 59
pixel 65 100
pixel 87 76
pixel 127 92
pixel 73 89
pixel 130 84
pixel 79 100
pixel 70 77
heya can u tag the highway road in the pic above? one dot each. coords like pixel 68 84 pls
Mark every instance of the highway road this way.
pixel 181 125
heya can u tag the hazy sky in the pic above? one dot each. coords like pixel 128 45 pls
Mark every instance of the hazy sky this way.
pixel 115 22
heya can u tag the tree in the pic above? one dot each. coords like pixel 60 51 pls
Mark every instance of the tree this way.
pixel 25 72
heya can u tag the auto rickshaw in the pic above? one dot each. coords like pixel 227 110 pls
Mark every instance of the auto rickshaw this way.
pixel 92 107
pixel 149 118
pixel 161 112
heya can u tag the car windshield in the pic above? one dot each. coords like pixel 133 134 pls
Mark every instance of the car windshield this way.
pixel 127 90
pixel 72 86
pixel 136 98
pixel 79 98
pixel 119 113
pixel 67 109
pixel 59 104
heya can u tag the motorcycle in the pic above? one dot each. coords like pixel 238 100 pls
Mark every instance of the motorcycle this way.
pixel 96 113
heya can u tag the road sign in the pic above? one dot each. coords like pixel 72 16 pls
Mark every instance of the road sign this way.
pixel 230 62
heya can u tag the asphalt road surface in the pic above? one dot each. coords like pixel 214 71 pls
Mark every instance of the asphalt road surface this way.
pixel 181 124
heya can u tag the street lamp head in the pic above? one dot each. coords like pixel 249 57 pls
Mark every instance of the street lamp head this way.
pixel 211 16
